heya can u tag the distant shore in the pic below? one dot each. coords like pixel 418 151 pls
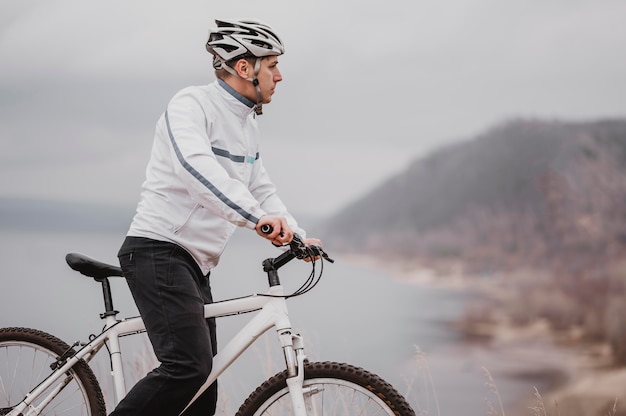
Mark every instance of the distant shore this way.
pixel 575 379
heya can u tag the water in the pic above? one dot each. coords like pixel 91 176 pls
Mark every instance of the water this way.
pixel 355 315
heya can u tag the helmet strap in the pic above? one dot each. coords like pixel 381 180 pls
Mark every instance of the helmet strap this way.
pixel 258 108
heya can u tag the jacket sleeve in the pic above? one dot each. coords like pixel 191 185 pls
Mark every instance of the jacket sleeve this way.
pixel 198 169
pixel 264 191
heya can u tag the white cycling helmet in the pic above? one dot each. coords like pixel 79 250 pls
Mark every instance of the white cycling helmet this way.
pixel 233 39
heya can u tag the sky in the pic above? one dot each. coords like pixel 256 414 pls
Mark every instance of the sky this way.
pixel 368 87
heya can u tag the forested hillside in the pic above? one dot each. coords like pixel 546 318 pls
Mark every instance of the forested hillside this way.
pixel 546 196
pixel 518 182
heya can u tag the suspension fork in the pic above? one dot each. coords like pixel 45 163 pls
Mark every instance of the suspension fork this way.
pixel 293 348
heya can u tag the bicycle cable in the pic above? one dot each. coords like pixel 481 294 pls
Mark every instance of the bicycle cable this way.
pixel 311 281
pixel 314 253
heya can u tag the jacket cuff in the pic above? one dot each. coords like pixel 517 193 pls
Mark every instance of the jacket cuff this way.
pixel 257 214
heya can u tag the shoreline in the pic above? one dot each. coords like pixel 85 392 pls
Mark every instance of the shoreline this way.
pixel 576 379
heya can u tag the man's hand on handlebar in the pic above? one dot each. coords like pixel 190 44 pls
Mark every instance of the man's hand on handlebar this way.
pixel 280 232
pixel 277 230
pixel 312 242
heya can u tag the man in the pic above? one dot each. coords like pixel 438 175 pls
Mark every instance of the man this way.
pixel 205 177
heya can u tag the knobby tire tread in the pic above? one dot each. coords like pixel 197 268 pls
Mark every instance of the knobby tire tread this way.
pixel 58 347
pixel 341 371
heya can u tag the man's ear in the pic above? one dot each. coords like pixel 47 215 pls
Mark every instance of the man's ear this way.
pixel 243 68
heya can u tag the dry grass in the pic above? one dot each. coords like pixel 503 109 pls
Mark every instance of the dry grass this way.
pixel 493 389
pixel 538 408
pixel 424 383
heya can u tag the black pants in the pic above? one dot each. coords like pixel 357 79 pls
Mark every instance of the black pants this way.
pixel 170 291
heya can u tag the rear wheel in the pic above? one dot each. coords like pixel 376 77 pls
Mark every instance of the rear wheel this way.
pixel 330 389
pixel 26 356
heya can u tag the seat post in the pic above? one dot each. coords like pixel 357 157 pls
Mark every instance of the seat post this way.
pixel 108 299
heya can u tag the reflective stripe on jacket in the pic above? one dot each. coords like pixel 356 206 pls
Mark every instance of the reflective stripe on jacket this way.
pixel 205 176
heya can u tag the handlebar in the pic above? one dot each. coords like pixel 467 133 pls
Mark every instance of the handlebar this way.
pixel 297 249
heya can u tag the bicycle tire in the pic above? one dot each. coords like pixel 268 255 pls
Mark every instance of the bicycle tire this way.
pixel 334 389
pixel 25 358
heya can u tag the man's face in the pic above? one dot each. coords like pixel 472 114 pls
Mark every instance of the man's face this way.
pixel 269 76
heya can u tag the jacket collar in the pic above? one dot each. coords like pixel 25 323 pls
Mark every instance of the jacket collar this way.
pixel 246 108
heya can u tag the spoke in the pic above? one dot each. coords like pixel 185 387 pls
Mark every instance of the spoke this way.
pixel 13 377
pixel 23 366
pixel 3 391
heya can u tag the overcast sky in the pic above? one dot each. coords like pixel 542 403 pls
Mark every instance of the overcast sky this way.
pixel 368 86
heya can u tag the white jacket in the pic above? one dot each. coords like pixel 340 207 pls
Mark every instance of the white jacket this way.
pixel 205 175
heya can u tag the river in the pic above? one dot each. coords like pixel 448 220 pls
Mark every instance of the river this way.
pixel 357 315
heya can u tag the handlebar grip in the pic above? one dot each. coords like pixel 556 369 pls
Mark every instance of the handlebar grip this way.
pixel 268 229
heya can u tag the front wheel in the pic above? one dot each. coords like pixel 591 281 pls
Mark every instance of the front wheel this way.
pixel 330 389
pixel 26 356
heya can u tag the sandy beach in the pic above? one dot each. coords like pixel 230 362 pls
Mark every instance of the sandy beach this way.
pixel 577 379
pixel 594 387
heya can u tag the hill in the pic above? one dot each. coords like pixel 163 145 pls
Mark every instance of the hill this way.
pixel 512 173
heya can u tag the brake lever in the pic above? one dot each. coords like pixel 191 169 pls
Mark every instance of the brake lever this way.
pixel 313 250
pixel 328 259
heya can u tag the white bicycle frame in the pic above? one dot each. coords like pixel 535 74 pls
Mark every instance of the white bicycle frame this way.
pixel 272 313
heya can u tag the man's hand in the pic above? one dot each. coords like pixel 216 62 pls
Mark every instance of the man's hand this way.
pixel 281 231
pixel 312 242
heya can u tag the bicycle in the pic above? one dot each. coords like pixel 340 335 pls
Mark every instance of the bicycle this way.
pixel 42 375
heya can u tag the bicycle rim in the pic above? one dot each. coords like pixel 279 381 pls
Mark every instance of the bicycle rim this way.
pixel 329 397
pixel 24 364
pixel 330 389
